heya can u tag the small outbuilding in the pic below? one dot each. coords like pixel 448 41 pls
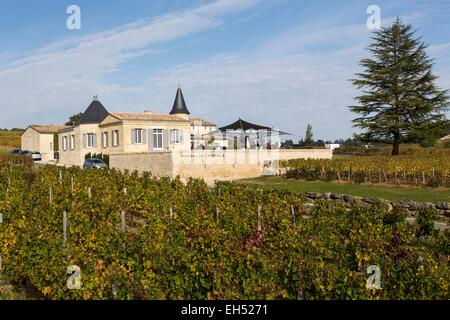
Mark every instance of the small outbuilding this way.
pixel 41 138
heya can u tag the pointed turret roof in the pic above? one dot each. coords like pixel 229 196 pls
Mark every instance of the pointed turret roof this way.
pixel 95 113
pixel 179 106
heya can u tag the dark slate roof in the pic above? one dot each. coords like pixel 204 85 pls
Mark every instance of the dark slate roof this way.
pixel 179 106
pixel 95 113
pixel 243 125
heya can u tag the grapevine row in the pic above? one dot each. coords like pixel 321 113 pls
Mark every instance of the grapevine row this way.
pixel 190 241
pixel 433 171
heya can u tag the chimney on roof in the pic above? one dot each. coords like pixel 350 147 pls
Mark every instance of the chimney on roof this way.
pixel 148 111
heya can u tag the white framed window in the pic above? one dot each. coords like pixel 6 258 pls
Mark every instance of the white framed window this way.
pixel 90 142
pixel 105 139
pixel 136 136
pixel 176 136
pixel 72 142
pixel 65 143
pixel 157 139
pixel 115 138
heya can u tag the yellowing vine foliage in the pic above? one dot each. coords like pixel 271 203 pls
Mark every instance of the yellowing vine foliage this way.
pixel 377 169
pixel 189 241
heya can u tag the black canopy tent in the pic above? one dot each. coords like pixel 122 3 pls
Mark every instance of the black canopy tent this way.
pixel 249 134
pixel 247 126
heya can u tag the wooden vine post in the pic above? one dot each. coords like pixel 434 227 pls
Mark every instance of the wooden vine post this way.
pixel 293 216
pixel 259 218
pixel 65 226
pixel 123 221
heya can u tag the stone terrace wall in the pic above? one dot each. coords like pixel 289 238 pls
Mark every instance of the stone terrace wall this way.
pixel 212 164
pixel 412 207
pixel 158 163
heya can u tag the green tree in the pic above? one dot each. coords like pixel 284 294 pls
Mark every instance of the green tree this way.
pixel 309 135
pixel 287 144
pixel 400 101
pixel 74 119
pixel 55 142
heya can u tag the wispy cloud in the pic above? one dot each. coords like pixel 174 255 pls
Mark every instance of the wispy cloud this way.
pixel 62 75
pixel 298 77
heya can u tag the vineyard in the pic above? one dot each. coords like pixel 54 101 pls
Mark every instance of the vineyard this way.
pixel 405 150
pixel 9 142
pixel 136 237
pixel 10 139
pixel 418 170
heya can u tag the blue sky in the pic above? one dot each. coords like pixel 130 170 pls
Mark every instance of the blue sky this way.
pixel 282 63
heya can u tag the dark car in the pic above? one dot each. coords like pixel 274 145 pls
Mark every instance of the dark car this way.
pixel 35 155
pixel 15 151
pixel 25 153
pixel 94 163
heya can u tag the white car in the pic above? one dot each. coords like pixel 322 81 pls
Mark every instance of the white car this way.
pixel 36 156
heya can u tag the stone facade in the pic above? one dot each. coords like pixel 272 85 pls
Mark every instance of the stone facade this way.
pixel 73 145
pixel 31 140
pixel 158 163
pixel 125 128
pixel 116 134
pixel 212 165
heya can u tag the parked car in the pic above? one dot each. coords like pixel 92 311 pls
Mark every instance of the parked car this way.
pixel 15 151
pixel 94 163
pixel 26 153
pixel 36 156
